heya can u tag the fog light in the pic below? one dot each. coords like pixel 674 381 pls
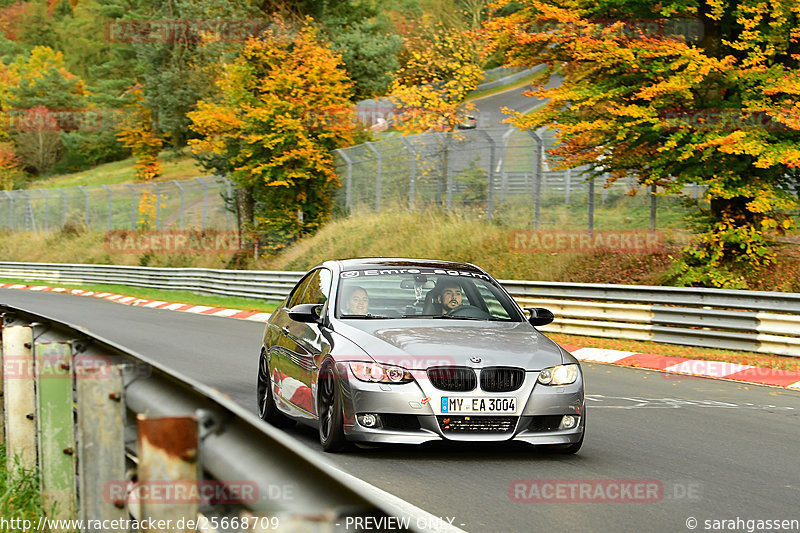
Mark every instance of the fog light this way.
pixel 568 422
pixel 368 420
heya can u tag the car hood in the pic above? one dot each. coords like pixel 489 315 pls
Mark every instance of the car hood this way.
pixel 424 343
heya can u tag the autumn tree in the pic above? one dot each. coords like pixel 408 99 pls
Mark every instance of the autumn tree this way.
pixel 676 93
pixel 139 133
pixel 39 90
pixel 440 67
pixel 283 107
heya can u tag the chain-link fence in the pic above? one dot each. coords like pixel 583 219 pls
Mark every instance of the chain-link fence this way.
pixel 198 203
pixel 501 174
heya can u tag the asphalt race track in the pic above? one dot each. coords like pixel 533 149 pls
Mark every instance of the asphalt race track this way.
pixel 714 450
pixel 489 108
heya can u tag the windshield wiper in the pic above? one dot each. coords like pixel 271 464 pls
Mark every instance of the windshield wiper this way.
pixel 367 316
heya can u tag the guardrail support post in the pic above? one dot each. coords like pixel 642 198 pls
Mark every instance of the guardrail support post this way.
pixel 168 449
pixel 18 395
pixel 101 440
pixel 55 428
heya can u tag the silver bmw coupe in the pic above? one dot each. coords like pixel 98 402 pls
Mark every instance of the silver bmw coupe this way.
pixel 410 351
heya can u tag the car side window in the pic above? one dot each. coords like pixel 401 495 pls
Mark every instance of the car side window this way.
pixel 318 288
pixel 297 295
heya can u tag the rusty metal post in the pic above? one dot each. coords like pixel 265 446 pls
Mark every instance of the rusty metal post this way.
pixel 101 442
pixel 55 428
pixel 2 409
pixel 19 399
pixel 167 469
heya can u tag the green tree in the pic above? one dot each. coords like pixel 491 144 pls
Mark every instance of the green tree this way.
pixel 43 89
pixel 707 95
pixel 284 106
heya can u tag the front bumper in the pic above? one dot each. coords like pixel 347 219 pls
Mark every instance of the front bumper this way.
pixel 411 413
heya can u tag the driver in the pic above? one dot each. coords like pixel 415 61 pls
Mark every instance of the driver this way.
pixel 449 295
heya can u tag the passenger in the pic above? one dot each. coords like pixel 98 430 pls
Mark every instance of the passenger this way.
pixel 356 301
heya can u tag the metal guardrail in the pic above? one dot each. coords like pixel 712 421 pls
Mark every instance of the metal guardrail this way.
pixel 149 443
pixel 767 322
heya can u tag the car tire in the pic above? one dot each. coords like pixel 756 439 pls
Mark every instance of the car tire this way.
pixel 329 408
pixel 267 410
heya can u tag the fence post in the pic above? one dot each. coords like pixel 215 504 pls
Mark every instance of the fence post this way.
pixel 101 440
pixel 110 207
pixel 490 175
pixel 448 170
pixel 30 220
pixel 567 185
pixel 375 151
pixel 348 198
pixel 590 204
pixel 537 179
pixel 229 194
pixel 158 206
pixel 19 400
pixel 86 205
pixel 653 205
pixel 205 203
pixel 63 207
pixel 10 210
pixel 133 206
pixel 55 427
pixel 183 200
pixel 412 185
pixel 46 209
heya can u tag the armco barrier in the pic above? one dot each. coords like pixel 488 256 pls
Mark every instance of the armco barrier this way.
pixel 767 322
pixel 150 443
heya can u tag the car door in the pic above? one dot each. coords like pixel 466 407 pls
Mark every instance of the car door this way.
pixel 281 343
pixel 306 344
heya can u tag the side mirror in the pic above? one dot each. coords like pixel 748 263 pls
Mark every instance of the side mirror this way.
pixel 540 316
pixel 305 313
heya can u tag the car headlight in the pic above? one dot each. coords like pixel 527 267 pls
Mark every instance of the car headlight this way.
pixel 558 375
pixel 378 373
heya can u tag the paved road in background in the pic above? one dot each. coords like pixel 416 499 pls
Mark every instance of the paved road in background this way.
pixel 719 450
pixel 489 108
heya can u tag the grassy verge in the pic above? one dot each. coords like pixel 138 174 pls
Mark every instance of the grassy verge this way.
pixel 229 302
pixel 676 350
pixel 172 168
pixel 19 492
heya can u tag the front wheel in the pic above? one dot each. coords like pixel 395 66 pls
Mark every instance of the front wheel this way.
pixel 329 408
pixel 267 410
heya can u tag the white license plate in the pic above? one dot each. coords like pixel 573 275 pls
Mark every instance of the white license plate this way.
pixel 478 405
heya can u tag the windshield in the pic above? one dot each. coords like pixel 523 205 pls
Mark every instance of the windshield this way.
pixel 421 293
